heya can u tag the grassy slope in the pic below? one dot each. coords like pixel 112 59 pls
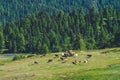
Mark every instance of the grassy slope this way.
pixel 99 67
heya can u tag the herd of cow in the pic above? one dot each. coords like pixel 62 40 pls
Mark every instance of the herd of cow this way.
pixel 64 57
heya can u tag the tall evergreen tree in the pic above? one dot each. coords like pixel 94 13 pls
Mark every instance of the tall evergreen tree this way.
pixel 2 42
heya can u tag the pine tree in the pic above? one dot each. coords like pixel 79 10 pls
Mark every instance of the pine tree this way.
pixel 44 49
pixel 117 39
pixel 2 43
pixel 21 43
pixel 82 21
pixel 79 43
pixel 38 46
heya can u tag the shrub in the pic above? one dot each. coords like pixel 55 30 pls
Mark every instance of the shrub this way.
pixel 18 57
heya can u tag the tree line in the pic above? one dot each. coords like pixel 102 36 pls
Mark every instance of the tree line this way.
pixel 43 32
pixel 12 10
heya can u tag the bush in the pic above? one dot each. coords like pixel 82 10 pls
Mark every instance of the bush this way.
pixel 18 57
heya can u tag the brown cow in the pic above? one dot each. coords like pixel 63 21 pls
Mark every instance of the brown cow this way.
pixel 68 53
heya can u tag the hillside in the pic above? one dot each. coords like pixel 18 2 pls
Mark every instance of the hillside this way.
pixel 11 10
pixel 59 39
pixel 103 65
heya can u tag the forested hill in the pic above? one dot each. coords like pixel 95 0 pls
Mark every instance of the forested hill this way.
pixel 43 33
pixel 11 10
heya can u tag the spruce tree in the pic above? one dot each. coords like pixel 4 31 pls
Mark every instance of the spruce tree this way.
pixel 2 43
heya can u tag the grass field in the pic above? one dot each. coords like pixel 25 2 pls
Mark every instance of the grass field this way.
pixel 103 65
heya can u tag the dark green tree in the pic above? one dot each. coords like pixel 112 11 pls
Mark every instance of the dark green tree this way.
pixel 2 42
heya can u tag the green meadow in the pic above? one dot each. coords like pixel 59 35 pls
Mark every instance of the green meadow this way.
pixel 103 65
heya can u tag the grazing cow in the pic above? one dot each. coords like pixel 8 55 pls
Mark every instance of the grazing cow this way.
pixel 80 61
pixel 50 60
pixel 89 56
pixel 43 55
pixel 35 62
pixel 68 53
pixel 56 55
pixel 75 55
pixel 74 62
pixel 85 61
pixel 62 54
pixel 65 55
pixel 61 58
pixel 65 60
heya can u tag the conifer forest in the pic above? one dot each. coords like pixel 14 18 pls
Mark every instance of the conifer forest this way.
pixel 43 26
